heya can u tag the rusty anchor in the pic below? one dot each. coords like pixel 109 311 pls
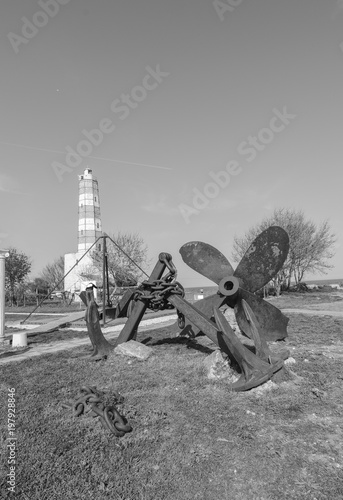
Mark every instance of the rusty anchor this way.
pixel 257 319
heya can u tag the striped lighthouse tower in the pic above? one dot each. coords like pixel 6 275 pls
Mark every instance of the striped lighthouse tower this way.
pixel 89 230
pixel 89 212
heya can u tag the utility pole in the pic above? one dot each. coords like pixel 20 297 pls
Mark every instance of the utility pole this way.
pixel 104 284
pixel 3 255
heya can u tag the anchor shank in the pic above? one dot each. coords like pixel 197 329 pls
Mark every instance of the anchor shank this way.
pixel 226 340
pixel 130 328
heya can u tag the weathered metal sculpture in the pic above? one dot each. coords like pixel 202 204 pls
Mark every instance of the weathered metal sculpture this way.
pixel 257 319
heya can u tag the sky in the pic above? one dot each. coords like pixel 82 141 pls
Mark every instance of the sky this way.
pixel 197 117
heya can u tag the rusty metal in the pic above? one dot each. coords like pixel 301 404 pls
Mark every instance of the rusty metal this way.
pixel 181 323
pixel 101 347
pixel 261 346
pixel 130 329
pixel 206 260
pixel 228 287
pixel 256 318
pixel 272 321
pixel 104 281
pixel 155 294
pixel 91 400
pixel 254 370
pixel 263 259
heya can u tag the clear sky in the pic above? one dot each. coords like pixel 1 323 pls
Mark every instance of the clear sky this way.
pixel 180 89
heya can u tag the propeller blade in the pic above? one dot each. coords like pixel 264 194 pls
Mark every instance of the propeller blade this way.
pixel 272 323
pixel 263 259
pixel 206 260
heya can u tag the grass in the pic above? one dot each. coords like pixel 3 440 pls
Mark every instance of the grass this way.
pixel 308 300
pixel 192 438
pixel 49 307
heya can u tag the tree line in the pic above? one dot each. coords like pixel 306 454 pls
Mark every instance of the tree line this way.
pixel 123 270
pixel 311 245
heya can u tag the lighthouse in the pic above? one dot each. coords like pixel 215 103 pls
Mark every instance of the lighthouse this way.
pixel 89 211
pixel 88 231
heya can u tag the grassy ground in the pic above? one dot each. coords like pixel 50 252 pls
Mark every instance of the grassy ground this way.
pixel 192 438
pixel 53 307
pixel 311 300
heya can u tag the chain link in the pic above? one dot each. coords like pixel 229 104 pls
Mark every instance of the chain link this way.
pixel 155 293
pixel 90 400
pixel 158 292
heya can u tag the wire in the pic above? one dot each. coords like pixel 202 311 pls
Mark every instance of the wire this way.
pixel 135 263
pixel 51 291
pixel 77 262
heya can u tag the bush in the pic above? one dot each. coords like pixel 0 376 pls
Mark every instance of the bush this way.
pixel 299 287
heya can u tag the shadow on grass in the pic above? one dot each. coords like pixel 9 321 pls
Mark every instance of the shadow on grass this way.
pixel 189 343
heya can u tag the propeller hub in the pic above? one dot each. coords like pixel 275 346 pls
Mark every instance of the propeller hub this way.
pixel 228 286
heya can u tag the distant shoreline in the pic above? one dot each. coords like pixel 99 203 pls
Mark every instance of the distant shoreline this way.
pixel 324 282
pixel 213 288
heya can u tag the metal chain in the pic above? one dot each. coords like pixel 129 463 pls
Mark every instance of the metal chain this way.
pixel 90 400
pixel 155 293
pixel 158 292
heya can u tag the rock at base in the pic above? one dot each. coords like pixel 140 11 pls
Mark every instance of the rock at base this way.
pixel 262 389
pixel 218 368
pixel 290 361
pixel 134 349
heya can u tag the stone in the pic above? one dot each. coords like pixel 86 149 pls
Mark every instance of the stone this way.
pixel 290 361
pixel 231 318
pixel 262 389
pixel 218 368
pixel 134 349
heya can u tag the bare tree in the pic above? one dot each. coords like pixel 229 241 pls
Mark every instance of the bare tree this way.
pixel 125 253
pixel 311 246
pixel 53 274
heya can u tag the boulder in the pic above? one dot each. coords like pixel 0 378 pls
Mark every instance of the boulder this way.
pixel 134 349
pixel 218 368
